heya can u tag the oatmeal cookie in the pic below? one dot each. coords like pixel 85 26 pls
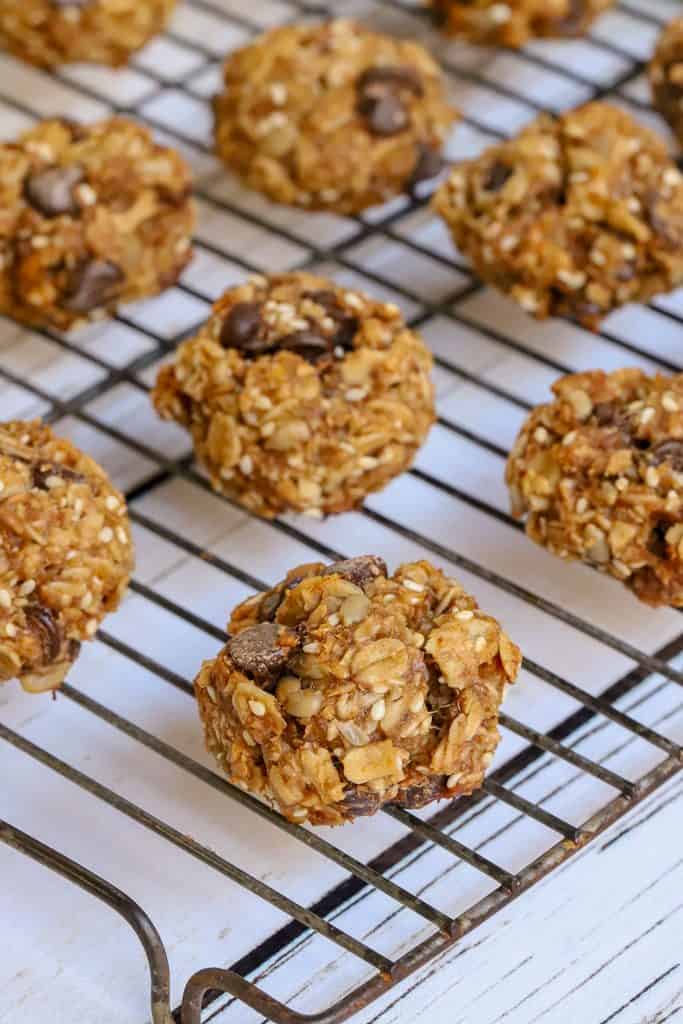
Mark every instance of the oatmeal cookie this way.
pixel 65 553
pixel 300 395
pixel 515 22
pixel 598 473
pixel 666 76
pixel 344 688
pixel 90 217
pixel 53 32
pixel 575 216
pixel 332 116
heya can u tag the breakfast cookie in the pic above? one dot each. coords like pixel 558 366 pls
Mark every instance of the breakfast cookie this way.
pixel 344 688
pixel 53 32
pixel 666 76
pixel 65 553
pixel 598 474
pixel 300 395
pixel 91 216
pixel 332 116
pixel 576 216
pixel 515 22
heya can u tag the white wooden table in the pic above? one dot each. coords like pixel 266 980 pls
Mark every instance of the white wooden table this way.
pixel 601 938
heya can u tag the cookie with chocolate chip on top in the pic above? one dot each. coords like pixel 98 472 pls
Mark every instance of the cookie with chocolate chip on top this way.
pixel 332 116
pixel 514 22
pixel 666 76
pixel 91 216
pixel 301 396
pixel 66 553
pixel 598 475
pixel 346 687
pixel 575 216
pixel 50 33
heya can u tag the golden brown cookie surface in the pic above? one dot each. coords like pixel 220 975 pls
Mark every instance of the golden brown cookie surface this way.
pixel 576 216
pixel 65 553
pixel 345 688
pixel 53 32
pixel 301 395
pixel 598 474
pixel 514 22
pixel 91 216
pixel 332 116
pixel 666 76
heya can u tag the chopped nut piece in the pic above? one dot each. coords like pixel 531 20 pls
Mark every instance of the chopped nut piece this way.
pixel 397 704
pixel 611 481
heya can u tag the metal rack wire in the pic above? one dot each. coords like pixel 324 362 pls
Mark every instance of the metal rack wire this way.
pixel 618 705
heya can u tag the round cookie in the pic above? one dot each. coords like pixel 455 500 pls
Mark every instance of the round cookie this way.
pixel 65 553
pixel 666 76
pixel 515 22
pixel 53 32
pixel 332 116
pixel 575 216
pixel 345 688
pixel 598 473
pixel 300 395
pixel 90 217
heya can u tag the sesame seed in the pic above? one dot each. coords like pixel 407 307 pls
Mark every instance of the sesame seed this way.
pixel 5 599
pixel 355 394
pixel 111 502
pixel 257 708
pixel 541 435
pixel 333 619
pixel 669 402
pixel 91 627
pixel 651 477
pixel 413 585
pixel 311 648
pixel 10 630
pixel 27 588
pixel 647 414
pixel 581 506
pixel 246 464
pixel 480 644
pixel 453 781
pixel 106 534
pixel 465 616
pixel 378 710
pixel 621 484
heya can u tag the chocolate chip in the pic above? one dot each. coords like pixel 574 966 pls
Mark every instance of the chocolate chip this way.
pixel 428 163
pixel 656 543
pixel 390 77
pixel 307 344
pixel 243 328
pixel 270 603
pixel 51 192
pixel 361 570
pixel 388 116
pixel 361 802
pixel 258 652
pixel 94 283
pixel 433 788
pixel 42 471
pixel 43 622
pixel 497 175
pixel 381 98
pixel 605 413
pixel 668 451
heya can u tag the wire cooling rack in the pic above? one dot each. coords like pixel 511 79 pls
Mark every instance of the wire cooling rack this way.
pixel 113 775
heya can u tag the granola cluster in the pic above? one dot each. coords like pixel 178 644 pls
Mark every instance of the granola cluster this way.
pixel 332 116
pixel 344 688
pixel 300 395
pixel 65 553
pixel 598 473
pixel 575 216
pixel 514 22
pixel 90 217
pixel 666 76
pixel 53 32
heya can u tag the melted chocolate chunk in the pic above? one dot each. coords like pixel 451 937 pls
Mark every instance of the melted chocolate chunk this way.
pixel 656 543
pixel 433 788
pixel 668 451
pixel 258 653
pixel 51 192
pixel 361 802
pixel 361 570
pixel 42 471
pixel 43 622
pixel 428 163
pixel 307 344
pixel 381 98
pixel 497 175
pixel 95 283
pixel 243 329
